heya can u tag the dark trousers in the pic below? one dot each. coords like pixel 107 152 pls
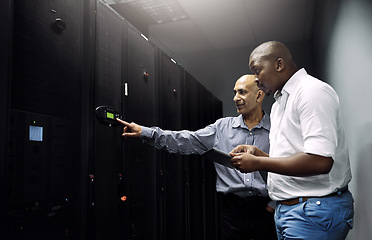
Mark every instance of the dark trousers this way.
pixel 246 219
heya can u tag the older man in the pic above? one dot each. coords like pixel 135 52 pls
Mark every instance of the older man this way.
pixel 245 197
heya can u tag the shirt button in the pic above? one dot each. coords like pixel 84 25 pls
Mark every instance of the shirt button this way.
pixel 248 180
pixel 318 203
pixel 250 133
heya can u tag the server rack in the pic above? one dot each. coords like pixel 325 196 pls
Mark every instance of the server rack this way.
pixel 195 164
pixel 6 16
pixel 209 114
pixel 69 175
pixel 173 186
pixel 42 147
pixel 141 171
pixel 107 170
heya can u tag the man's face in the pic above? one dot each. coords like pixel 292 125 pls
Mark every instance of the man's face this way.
pixel 264 70
pixel 245 95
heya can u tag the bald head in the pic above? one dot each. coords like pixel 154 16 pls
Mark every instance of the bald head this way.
pixel 272 64
pixel 249 81
pixel 271 50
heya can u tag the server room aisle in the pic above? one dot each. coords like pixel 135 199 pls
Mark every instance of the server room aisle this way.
pixel 69 68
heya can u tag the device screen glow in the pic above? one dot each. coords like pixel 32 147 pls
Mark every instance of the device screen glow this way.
pixel 36 133
pixel 109 115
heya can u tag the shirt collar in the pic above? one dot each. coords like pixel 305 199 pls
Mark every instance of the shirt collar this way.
pixel 264 123
pixel 238 121
pixel 290 85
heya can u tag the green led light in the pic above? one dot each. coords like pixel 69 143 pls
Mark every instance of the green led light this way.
pixel 110 115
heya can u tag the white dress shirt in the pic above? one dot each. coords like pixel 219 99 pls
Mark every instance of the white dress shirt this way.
pixel 306 118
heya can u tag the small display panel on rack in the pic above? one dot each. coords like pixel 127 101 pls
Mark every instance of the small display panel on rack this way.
pixel 108 115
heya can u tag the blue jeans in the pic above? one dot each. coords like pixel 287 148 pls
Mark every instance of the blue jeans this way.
pixel 328 218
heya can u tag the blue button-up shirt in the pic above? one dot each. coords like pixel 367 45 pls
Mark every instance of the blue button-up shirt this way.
pixel 225 134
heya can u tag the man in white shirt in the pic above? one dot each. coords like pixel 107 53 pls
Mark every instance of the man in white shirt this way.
pixel 308 161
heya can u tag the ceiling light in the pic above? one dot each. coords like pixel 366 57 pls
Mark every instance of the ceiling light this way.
pixel 161 11
pixel 144 37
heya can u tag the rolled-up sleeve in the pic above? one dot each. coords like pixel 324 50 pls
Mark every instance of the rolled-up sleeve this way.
pixel 318 121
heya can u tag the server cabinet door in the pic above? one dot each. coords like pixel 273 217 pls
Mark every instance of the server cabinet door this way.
pixel 107 169
pixel 44 134
pixel 191 116
pixel 140 165
pixel 209 114
pixel 5 75
pixel 172 165
pixel 217 108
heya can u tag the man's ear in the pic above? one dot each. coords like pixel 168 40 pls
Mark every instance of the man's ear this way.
pixel 279 64
pixel 260 95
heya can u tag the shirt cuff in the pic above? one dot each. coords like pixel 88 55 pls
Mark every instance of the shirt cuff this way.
pixel 319 147
pixel 147 132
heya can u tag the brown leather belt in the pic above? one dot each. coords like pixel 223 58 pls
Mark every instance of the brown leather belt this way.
pixel 294 201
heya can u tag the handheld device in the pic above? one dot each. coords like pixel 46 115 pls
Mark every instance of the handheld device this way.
pixel 108 115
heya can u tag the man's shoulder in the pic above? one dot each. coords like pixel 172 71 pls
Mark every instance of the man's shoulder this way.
pixel 228 121
pixel 309 83
pixel 312 86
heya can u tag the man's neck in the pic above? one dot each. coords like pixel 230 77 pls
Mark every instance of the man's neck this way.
pixel 253 119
